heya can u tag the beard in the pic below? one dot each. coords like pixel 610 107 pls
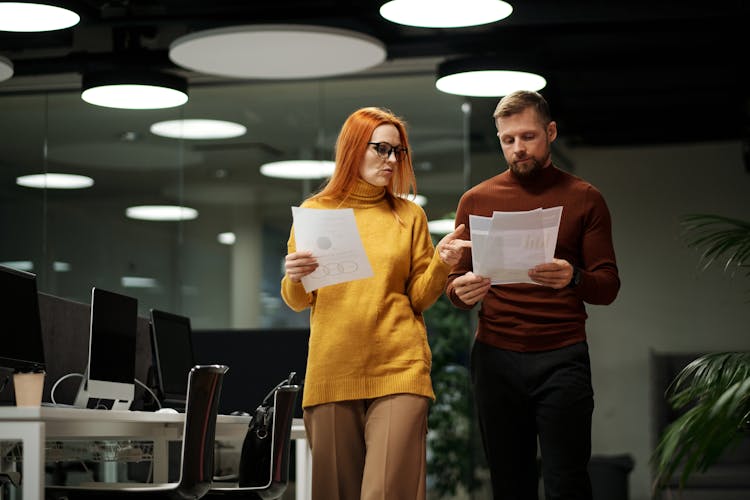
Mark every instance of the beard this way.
pixel 526 167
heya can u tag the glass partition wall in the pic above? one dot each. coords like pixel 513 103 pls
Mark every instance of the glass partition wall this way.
pixel 78 238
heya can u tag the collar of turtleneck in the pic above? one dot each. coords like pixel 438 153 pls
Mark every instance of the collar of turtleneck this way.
pixel 365 194
pixel 539 180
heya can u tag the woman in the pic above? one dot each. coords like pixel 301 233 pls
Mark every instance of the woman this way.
pixel 367 386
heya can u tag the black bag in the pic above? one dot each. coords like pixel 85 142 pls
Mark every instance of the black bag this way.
pixel 257 449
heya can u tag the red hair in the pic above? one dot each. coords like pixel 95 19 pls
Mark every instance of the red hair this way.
pixel 351 147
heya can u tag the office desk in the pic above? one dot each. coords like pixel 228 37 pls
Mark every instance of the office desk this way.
pixel 34 426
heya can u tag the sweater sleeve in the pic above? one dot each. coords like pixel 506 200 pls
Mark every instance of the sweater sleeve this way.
pixel 294 294
pixel 428 272
pixel 600 281
pixel 464 265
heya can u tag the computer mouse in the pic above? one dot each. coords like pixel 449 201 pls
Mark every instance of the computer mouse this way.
pixel 166 410
pixel 239 413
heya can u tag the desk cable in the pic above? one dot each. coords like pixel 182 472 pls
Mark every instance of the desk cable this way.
pixel 148 389
pixel 54 386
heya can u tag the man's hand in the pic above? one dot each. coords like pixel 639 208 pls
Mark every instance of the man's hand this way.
pixel 471 288
pixel 556 274
pixel 451 246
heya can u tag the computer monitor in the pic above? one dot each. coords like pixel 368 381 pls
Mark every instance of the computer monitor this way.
pixel 110 372
pixel 172 347
pixel 21 347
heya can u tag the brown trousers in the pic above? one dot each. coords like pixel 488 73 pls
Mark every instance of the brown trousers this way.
pixel 372 449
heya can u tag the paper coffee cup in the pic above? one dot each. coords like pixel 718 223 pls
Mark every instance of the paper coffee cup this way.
pixel 29 387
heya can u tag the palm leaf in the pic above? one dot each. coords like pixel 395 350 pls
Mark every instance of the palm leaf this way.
pixel 714 390
pixel 718 385
pixel 721 239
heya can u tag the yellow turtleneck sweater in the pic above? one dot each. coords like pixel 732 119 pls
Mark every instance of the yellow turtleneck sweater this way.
pixel 367 337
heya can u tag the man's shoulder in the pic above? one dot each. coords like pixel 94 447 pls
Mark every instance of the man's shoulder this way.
pixel 572 181
pixel 500 179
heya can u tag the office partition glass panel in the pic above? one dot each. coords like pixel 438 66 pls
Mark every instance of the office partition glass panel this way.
pixel 79 238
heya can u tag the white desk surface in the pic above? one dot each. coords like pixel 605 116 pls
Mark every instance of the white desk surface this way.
pixel 71 422
pixel 35 425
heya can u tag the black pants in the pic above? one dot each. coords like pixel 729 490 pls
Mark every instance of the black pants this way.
pixel 522 396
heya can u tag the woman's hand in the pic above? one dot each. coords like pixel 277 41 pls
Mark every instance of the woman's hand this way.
pixel 451 247
pixel 297 265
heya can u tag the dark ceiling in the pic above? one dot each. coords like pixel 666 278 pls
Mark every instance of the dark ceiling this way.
pixel 619 73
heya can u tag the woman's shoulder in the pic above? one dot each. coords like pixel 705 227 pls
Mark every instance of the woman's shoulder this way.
pixel 407 208
pixel 317 203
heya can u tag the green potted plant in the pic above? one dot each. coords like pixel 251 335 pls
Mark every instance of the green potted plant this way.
pixel 451 440
pixel 713 390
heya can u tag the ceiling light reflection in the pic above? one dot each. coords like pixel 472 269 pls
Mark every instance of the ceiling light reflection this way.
pixel 227 238
pixel 198 129
pixel 441 226
pixel 298 169
pixel 161 213
pixel 55 181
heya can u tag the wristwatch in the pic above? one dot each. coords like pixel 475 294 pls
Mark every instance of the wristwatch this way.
pixel 576 278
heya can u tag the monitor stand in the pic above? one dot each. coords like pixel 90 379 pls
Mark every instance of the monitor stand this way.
pixel 85 400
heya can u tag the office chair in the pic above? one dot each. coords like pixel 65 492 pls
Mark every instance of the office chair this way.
pixel 196 473
pixel 272 484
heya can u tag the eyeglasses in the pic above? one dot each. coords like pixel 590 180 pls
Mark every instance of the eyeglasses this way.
pixel 384 150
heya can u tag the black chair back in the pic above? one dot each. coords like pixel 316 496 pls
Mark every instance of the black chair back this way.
pixel 204 389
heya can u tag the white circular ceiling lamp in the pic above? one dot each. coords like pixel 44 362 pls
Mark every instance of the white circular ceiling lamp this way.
pixel 134 89
pixel 277 51
pixel 161 213
pixel 484 78
pixel 298 169
pixel 445 13
pixel 6 68
pixel 55 181
pixel 23 17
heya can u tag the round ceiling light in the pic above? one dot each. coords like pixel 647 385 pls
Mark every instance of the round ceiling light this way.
pixel 484 78
pixel 6 68
pixel 298 169
pixel 198 129
pixel 134 90
pixel 277 51
pixel 25 17
pixel 55 181
pixel 161 213
pixel 445 13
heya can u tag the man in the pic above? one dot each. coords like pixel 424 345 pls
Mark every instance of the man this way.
pixel 530 364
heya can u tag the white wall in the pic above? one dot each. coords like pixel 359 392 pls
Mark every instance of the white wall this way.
pixel 666 303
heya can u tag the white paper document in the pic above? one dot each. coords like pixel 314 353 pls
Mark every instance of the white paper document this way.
pixel 333 239
pixel 508 244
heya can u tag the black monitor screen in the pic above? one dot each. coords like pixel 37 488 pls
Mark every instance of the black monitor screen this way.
pixel 21 345
pixel 173 354
pixel 114 320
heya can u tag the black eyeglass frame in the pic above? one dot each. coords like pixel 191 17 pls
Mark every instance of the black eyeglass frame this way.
pixel 399 152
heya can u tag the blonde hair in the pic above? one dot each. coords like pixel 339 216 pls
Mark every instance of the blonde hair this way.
pixel 516 102
pixel 351 147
